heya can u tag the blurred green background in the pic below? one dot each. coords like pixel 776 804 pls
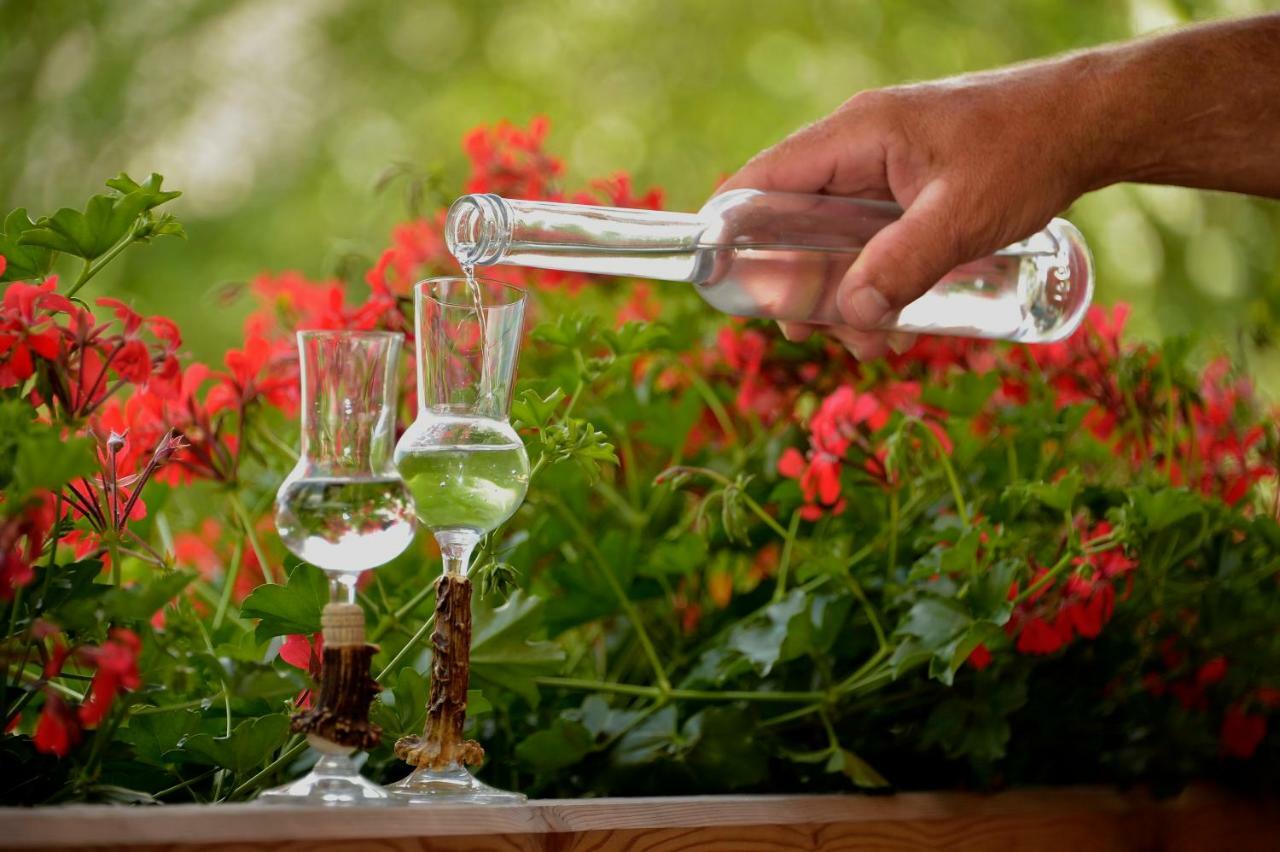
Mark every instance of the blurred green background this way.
pixel 276 118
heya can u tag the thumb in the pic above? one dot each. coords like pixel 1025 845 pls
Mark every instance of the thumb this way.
pixel 901 262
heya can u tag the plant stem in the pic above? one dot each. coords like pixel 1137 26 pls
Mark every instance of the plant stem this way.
pixel 229 584
pixel 413 641
pixel 894 512
pixel 291 751
pixel 588 543
pixel 791 715
pixel 655 692
pixel 876 627
pixel 113 547
pixel 713 402
pixel 91 269
pixel 1046 578
pixel 758 510
pixel 948 470
pixel 241 513
pixel 784 564
pixel 165 708
pixel 182 785
pixel 425 592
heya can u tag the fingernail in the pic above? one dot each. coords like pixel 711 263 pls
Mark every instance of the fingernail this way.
pixel 854 351
pixel 900 341
pixel 786 332
pixel 865 308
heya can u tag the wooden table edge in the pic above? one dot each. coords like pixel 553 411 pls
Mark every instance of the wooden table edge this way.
pixel 95 825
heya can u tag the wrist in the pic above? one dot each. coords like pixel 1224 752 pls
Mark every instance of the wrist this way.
pixel 1111 138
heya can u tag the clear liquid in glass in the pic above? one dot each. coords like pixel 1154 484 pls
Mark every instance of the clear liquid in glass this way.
pixel 465 473
pixel 345 524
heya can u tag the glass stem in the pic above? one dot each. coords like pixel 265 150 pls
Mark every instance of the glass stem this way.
pixel 342 588
pixel 455 548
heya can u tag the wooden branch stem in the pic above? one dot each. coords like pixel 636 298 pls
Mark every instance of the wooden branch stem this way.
pixel 441 744
pixel 339 720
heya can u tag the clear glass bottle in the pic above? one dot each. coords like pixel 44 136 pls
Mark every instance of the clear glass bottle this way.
pixel 781 256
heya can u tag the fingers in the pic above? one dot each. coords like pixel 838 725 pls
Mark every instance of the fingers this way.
pixel 796 164
pixel 900 263
pixel 843 154
pixel 796 331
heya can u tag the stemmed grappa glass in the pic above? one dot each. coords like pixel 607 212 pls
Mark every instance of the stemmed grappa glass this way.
pixel 468 471
pixel 344 509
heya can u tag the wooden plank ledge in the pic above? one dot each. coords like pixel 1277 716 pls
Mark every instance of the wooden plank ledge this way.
pixel 1044 820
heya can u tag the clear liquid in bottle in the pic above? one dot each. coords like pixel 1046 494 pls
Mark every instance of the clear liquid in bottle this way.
pixel 782 256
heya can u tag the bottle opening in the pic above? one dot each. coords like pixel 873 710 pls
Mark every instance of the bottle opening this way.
pixel 477 229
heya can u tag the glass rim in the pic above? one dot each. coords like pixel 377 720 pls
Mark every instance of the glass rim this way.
pixel 339 334
pixel 516 295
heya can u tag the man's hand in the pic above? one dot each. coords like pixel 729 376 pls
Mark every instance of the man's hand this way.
pixel 981 161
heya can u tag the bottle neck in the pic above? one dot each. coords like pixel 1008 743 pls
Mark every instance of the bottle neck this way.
pixel 482 230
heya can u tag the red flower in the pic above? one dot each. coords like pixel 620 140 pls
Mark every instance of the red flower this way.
pixel 117 663
pixel 27 331
pixel 1037 636
pixel 979 657
pixel 307 654
pixel 303 652
pixel 1212 671
pixel 1241 732
pixel 509 161
pixel 22 538
pixel 260 370
pixel 57 731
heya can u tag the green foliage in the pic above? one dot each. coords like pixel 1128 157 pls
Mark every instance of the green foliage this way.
pixel 35 456
pixel 292 608
pixel 107 220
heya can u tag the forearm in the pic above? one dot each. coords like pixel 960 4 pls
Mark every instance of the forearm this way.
pixel 1199 107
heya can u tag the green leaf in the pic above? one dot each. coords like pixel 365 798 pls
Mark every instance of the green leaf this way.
pixel 250 745
pixel 563 744
pixel 723 743
pixel 138 603
pixel 963 394
pixel 1059 495
pixel 35 456
pixel 975 728
pixel 577 331
pixel 960 558
pixel 989 591
pixel 935 621
pixel 679 557
pixel 23 262
pixel 504 654
pixel 577 440
pixel 1166 507
pixel 531 411
pixel 649 741
pixel 47 461
pixel 152 735
pixel 670 430
pixel 601 720
pixel 862 774
pixel 780 634
pixel 636 338
pixel 936 627
pixel 477 704
pixel 292 608
pixel 67 583
pixel 402 710
pixel 105 221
